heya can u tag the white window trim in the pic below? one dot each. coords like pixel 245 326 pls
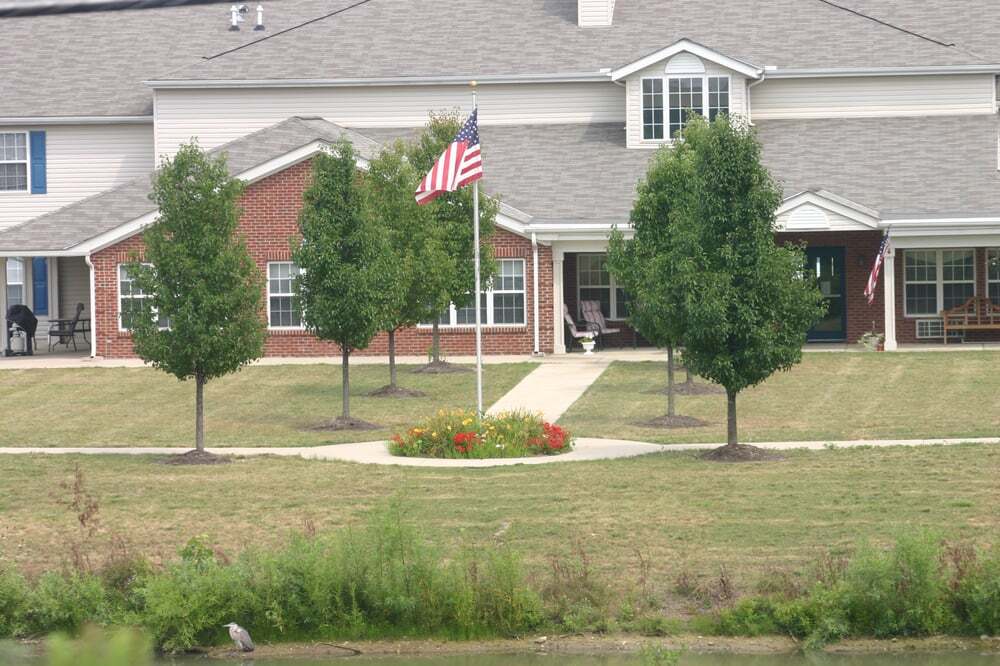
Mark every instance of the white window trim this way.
pixel 23 283
pixel 27 163
pixel 118 288
pixel 940 282
pixel 665 99
pixel 300 327
pixel 995 251
pixel 613 285
pixel 453 311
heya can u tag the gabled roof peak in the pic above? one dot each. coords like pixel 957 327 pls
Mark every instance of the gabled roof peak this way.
pixel 688 46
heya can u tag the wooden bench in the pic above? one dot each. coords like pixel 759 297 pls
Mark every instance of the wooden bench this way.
pixel 976 314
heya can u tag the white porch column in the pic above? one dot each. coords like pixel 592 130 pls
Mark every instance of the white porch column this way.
pixel 558 328
pixel 889 282
pixel 3 304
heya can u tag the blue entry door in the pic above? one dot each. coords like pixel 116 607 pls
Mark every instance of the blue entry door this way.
pixel 40 286
pixel 826 264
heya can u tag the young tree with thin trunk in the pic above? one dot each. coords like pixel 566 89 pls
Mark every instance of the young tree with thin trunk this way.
pixel 644 264
pixel 748 301
pixel 345 261
pixel 421 262
pixel 201 316
pixel 453 213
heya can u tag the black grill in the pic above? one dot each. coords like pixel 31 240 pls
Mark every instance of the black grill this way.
pixel 21 317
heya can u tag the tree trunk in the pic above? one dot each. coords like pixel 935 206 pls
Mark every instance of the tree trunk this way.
pixel 731 439
pixel 670 381
pixel 689 380
pixel 436 342
pixel 392 358
pixel 346 381
pixel 199 412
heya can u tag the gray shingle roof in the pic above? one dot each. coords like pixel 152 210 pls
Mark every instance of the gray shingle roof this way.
pixel 583 174
pixel 74 224
pixel 95 63
pixel 902 167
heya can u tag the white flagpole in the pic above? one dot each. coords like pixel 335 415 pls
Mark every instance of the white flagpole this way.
pixel 479 323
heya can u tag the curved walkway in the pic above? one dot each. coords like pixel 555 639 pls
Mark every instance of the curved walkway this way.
pixel 587 448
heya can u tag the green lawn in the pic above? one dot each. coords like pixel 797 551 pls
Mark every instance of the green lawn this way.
pixel 679 512
pixel 826 397
pixel 259 406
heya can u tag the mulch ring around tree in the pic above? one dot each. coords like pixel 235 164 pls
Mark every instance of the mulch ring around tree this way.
pixel 196 457
pixel 741 453
pixel 340 423
pixel 672 422
pixel 695 388
pixel 440 368
pixel 390 391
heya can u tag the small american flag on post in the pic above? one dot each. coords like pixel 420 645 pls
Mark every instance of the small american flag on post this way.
pixel 876 270
pixel 460 164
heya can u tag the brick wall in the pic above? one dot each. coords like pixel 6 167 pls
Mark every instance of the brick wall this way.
pixel 860 248
pixel 270 221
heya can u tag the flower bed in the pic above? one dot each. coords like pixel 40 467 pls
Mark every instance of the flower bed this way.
pixel 459 434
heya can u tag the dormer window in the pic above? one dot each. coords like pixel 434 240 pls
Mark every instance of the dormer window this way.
pixel 686 95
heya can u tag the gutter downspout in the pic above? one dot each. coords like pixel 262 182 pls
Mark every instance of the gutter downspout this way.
pixel 93 309
pixel 534 280
pixel 750 85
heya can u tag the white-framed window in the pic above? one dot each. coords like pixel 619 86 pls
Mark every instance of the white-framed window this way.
pixel 15 281
pixel 936 280
pixel 283 307
pixel 680 96
pixel 13 161
pixel 129 301
pixel 503 304
pixel 594 282
pixel 993 275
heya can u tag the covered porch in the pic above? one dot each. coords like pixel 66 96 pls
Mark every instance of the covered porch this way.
pixel 934 267
pixel 57 290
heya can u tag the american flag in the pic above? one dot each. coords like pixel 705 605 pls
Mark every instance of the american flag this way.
pixel 876 270
pixel 460 164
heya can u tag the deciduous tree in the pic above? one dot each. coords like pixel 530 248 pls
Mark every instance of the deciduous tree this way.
pixel 201 315
pixel 748 303
pixel 453 213
pixel 346 263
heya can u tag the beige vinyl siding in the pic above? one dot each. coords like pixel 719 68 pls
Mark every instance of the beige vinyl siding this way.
pixel 81 160
pixel 595 13
pixel 841 97
pixel 218 116
pixel 633 92
pixel 74 286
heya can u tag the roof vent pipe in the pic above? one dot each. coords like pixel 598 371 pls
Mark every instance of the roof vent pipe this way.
pixel 260 18
pixel 236 13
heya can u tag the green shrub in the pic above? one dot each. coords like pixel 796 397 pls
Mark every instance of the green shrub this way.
pixel 977 594
pixel 13 603
pixel 461 434
pixel 64 602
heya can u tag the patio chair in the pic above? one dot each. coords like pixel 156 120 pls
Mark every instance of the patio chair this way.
pixel 63 331
pixel 590 330
pixel 591 311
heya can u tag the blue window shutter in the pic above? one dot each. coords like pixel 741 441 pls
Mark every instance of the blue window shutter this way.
pixel 38 181
pixel 40 285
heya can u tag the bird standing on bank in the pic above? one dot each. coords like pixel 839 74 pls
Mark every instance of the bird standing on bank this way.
pixel 240 636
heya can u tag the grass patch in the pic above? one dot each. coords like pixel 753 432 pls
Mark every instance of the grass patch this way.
pixel 826 397
pixel 685 517
pixel 259 406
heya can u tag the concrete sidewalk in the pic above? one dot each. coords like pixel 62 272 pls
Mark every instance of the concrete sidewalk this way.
pixel 553 387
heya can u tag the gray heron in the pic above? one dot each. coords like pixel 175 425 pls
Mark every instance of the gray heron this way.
pixel 240 636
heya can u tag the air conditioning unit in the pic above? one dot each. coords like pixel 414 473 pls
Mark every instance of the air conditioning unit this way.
pixel 929 329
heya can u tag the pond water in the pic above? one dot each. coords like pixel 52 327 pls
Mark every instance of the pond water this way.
pixel 13 655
